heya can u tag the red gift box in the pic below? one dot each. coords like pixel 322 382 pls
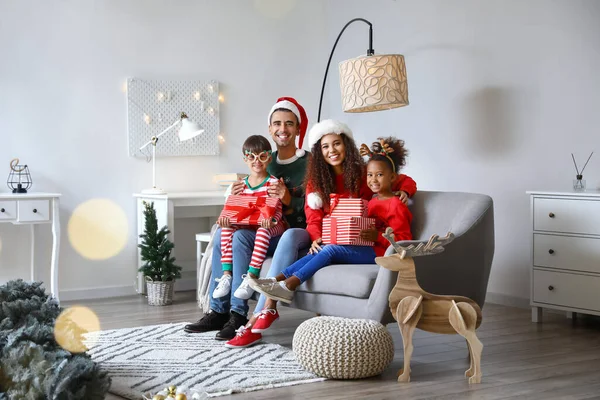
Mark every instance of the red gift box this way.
pixel 346 230
pixel 345 207
pixel 249 210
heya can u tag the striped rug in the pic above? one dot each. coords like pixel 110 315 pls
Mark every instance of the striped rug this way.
pixel 147 359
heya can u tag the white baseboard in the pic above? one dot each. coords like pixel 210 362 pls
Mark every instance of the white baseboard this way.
pixel 505 300
pixel 97 293
pixel 181 285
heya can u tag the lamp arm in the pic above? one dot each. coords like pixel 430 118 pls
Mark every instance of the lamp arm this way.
pixel 155 138
pixel 370 52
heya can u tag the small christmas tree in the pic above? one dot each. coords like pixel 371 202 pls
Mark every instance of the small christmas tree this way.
pixel 156 249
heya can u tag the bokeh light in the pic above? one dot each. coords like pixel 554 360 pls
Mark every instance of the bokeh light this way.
pixel 274 8
pixel 98 229
pixel 71 326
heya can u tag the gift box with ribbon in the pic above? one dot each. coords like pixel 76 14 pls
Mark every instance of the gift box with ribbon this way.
pixel 346 230
pixel 249 210
pixel 345 207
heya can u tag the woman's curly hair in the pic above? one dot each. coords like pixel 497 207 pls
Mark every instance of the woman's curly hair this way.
pixel 321 175
pixel 398 156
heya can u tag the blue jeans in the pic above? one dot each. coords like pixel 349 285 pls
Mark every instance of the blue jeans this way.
pixel 285 248
pixel 308 265
pixel 293 243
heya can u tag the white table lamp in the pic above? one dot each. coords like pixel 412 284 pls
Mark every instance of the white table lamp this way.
pixel 187 130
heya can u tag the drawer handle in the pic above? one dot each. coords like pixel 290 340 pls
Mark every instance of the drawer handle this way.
pixel 551 251
pixel 551 215
pixel 35 210
pixel 550 287
pixel 2 210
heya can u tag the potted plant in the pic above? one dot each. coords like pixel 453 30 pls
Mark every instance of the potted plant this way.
pixel 159 267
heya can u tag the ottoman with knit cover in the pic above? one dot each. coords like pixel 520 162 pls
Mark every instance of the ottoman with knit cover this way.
pixel 343 348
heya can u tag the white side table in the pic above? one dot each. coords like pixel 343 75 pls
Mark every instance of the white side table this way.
pixel 175 206
pixel 32 209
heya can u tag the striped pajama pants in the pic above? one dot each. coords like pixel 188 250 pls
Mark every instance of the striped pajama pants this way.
pixel 261 243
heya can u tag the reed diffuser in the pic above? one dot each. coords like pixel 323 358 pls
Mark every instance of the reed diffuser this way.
pixel 579 182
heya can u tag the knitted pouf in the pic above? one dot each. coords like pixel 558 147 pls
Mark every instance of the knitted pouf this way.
pixel 342 348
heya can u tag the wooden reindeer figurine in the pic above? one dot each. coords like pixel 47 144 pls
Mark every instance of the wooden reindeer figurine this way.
pixel 413 307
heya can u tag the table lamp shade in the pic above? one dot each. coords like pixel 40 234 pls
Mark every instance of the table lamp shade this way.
pixel 189 129
pixel 373 83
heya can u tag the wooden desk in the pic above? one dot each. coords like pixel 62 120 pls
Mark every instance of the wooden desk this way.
pixel 169 208
pixel 32 209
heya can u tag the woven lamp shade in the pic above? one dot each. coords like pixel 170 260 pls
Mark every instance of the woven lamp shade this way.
pixel 373 83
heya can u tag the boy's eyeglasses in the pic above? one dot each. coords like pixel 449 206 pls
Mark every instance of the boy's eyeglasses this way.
pixel 263 156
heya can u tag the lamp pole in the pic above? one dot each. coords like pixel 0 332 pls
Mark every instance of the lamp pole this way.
pixel 370 52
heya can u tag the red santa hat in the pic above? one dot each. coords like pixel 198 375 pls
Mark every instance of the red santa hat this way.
pixel 290 104
pixel 327 127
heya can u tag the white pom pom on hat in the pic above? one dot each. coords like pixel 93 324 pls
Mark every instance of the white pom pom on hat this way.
pixel 314 201
pixel 326 127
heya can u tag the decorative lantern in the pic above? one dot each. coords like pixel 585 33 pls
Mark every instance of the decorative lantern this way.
pixel 19 178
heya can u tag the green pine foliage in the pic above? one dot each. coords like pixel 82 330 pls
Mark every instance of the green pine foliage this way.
pixel 156 249
pixel 32 364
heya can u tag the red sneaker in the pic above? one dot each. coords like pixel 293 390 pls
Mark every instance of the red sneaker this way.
pixel 264 321
pixel 244 338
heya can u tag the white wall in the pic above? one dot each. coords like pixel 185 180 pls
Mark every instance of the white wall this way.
pixel 63 112
pixel 501 92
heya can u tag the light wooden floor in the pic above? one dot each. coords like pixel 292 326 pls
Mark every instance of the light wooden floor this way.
pixel 558 359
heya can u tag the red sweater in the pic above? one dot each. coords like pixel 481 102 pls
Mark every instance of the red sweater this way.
pixel 314 216
pixel 393 213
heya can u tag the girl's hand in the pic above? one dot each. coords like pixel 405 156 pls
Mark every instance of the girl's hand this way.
pixel 224 222
pixel 370 234
pixel 267 223
pixel 314 247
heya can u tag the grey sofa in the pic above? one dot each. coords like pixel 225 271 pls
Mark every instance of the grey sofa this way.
pixel 361 291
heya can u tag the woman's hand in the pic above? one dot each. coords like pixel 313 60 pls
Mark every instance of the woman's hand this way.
pixel 314 247
pixel 224 222
pixel 370 234
pixel 403 196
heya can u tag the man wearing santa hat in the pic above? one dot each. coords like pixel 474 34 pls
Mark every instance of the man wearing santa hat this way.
pixel 287 120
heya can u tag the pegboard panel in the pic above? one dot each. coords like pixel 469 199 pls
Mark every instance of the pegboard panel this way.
pixel 154 105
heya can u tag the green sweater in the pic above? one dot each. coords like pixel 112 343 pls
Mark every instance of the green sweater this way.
pixel 293 176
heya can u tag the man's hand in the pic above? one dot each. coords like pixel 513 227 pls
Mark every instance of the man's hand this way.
pixel 314 247
pixel 403 196
pixel 267 223
pixel 237 187
pixel 280 191
pixel 370 234
pixel 224 222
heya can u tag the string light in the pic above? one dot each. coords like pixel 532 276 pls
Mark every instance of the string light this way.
pixel 221 98
pixel 197 96
pixel 147 119
pixel 221 139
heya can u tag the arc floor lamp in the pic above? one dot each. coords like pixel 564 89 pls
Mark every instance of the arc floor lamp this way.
pixel 372 82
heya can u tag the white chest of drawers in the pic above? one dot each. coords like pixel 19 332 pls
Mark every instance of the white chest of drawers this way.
pixel 565 252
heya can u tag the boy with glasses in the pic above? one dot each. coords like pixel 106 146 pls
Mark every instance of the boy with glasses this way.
pixel 257 155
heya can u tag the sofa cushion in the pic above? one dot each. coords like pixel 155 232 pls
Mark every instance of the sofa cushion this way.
pixel 354 280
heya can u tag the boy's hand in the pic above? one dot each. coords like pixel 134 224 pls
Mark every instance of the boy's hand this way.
pixel 314 247
pixel 403 196
pixel 267 223
pixel 224 222
pixel 237 187
pixel 280 191
pixel 370 234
